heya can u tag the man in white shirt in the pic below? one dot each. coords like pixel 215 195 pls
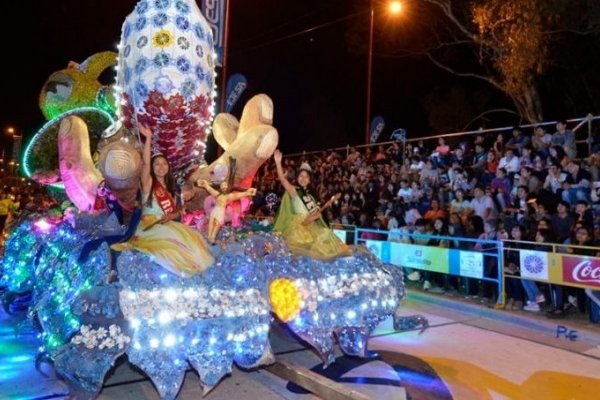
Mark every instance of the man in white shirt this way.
pixel 482 205
pixel 510 163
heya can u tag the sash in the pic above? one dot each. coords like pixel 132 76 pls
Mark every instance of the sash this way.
pixel 308 200
pixel 163 198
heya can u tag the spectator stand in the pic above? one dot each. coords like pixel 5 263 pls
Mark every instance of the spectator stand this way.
pixel 589 142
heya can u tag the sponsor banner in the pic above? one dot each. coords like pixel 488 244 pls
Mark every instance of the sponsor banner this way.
pixel 420 257
pixel 377 125
pixel 534 264
pixel 470 264
pixel 399 135
pixel 581 271
pixel 379 249
pixel 236 85
pixel 214 12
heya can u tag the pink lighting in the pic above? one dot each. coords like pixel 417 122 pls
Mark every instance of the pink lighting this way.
pixel 43 226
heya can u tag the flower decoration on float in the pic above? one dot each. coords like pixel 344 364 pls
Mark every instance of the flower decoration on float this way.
pixel 285 299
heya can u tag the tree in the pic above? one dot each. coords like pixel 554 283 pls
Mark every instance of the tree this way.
pixel 508 41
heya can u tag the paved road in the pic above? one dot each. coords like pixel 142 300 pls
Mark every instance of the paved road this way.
pixel 469 352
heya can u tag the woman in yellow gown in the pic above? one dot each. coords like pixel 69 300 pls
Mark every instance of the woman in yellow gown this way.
pixel 173 245
pixel 300 222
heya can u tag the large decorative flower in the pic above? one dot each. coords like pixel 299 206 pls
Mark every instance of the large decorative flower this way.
pixel 285 299
pixel 163 39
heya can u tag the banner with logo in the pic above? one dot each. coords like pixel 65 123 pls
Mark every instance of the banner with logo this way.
pixel 581 271
pixel 399 135
pixel 534 264
pixel 214 12
pixel 236 84
pixel 470 264
pixel 420 257
pixel 377 125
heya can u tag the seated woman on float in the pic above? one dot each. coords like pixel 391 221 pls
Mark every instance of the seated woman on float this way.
pixel 174 246
pixel 300 222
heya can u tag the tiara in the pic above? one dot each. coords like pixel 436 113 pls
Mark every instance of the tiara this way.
pixel 304 166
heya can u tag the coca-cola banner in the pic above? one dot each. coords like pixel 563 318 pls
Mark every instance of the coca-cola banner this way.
pixel 581 270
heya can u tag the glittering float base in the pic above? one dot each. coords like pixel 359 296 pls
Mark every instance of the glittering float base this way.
pixel 123 303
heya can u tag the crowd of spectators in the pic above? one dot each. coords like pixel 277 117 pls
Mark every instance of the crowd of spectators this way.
pixel 532 186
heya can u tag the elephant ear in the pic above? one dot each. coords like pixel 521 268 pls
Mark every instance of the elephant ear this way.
pixel 257 111
pixel 225 129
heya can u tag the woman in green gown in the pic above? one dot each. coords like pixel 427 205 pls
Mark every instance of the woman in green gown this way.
pixel 300 222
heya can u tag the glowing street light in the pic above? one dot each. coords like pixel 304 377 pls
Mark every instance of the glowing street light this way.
pixel 394 7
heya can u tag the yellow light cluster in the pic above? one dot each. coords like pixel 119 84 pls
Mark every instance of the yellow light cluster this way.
pixel 285 299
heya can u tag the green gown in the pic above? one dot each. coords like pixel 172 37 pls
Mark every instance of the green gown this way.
pixel 315 240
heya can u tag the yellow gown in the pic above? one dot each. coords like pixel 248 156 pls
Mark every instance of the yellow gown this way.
pixel 173 245
pixel 315 240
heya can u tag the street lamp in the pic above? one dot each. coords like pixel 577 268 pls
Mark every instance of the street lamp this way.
pixel 395 7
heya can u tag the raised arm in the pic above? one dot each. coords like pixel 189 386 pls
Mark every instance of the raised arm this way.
pixel 239 195
pixel 146 178
pixel 203 183
pixel 281 175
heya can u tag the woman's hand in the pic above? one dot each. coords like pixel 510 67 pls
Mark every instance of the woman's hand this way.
pixel 145 131
pixel 170 217
pixel 311 218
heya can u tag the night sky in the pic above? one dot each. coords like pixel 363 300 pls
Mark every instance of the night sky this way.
pixel 317 80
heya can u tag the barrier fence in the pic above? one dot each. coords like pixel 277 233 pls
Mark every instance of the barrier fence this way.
pixel 583 130
pixel 480 259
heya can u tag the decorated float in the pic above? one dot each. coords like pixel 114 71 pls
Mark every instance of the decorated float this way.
pixel 93 304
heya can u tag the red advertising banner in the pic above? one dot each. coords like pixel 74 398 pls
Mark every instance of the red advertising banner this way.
pixel 581 270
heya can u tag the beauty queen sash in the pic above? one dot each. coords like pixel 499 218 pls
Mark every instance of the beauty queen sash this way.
pixel 309 201
pixel 164 198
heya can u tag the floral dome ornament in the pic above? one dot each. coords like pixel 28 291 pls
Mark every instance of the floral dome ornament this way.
pixel 166 78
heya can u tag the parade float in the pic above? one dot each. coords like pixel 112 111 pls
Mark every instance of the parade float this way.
pixel 93 304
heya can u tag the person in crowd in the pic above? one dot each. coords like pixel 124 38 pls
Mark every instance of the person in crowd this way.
pixel 299 218
pixel 510 163
pixel 478 163
pixel 541 141
pixel 501 188
pixel 582 237
pixel 565 138
pixel 518 141
pixel 482 205
pixel 562 221
pixel 6 207
pixel 491 166
pixel 435 282
pixel 527 178
pixel 499 145
pixel 577 185
pixel 173 245
pixel 554 183
pixel 526 159
pixel 512 269
pixel 490 260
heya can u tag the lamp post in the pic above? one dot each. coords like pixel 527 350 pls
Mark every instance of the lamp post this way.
pixel 394 7
pixel 369 70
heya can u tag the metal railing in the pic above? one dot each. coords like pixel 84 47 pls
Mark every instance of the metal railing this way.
pixel 558 263
pixel 583 121
pixel 464 257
